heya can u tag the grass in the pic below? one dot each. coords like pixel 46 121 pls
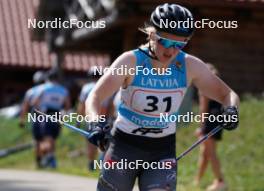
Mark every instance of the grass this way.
pixel 241 152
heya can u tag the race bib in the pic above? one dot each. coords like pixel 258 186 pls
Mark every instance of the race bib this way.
pixel 153 103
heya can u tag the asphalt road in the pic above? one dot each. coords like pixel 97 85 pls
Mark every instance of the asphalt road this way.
pixel 18 180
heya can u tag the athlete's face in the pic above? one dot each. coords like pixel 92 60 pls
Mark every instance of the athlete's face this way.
pixel 167 46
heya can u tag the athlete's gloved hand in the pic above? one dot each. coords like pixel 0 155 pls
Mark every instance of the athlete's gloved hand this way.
pixel 231 116
pixel 99 134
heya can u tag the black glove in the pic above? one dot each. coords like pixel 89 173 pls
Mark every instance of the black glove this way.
pixel 232 120
pixel 99 134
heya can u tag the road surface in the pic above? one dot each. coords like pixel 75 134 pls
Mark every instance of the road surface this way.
pixel 21 180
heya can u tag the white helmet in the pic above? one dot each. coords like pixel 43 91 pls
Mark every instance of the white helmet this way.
pixel 39 77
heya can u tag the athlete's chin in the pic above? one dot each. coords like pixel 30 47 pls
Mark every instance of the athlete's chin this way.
pixel 165 59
